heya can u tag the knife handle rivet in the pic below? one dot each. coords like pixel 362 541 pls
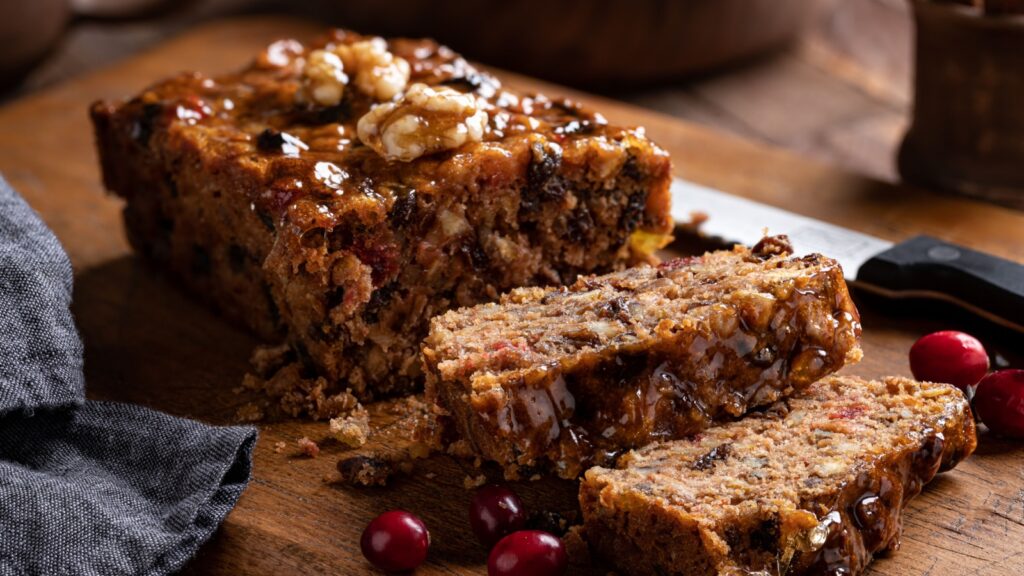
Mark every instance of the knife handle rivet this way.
pixel 943 253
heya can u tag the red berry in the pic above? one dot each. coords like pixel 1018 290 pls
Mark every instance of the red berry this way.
pixel 395 541
pixel 527 553
pixel 951 357
pixel 494 512
pixel 999 402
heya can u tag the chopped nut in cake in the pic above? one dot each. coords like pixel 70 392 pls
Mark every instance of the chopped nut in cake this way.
pixel 324 77
pixel 352 429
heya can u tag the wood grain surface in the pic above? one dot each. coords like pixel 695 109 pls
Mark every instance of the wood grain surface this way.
pixel 147 343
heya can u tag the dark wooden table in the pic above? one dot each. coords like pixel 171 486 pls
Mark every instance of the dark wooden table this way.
pixel 147 343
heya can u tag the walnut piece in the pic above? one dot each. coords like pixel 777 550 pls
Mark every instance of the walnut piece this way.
pixel 423 121
pixel 378 72
pixel 323 78
pixel 375 70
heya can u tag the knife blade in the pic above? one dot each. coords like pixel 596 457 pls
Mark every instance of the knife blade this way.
pixel 921 267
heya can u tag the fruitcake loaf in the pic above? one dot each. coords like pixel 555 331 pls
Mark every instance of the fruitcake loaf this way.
pixel 565 378
pixel 814 485
pixel 342 192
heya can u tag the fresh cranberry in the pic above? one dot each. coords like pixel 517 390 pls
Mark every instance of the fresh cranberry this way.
pixel 951 357
pixel 999 402
pixel 395 541
pixel 494 512
pixel 527 553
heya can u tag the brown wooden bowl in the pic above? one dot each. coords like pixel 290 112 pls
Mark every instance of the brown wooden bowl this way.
pixel 588 42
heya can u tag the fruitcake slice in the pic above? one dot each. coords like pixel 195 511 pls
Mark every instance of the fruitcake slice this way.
pixel 340 192
pixel 566 378
pixel 817 484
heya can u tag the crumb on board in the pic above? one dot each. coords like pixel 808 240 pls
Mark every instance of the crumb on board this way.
pixel 470 482
pixel 352 429
pixel 460 449
pixel 413 436
pixel 279 447
pixel 250 382
pixel 430 475
pixel 308 447
pixel 266 360
pixel 296 395
pixel 249 412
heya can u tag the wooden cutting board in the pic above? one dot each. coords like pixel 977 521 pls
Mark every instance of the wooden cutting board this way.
pixel 147 343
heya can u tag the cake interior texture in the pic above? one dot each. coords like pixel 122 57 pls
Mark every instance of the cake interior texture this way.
pixel 268 203
pixel 565 378
pixel 816 484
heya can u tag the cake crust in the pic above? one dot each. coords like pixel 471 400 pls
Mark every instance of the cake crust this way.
pixel 817 484
pixel 566 378
pixel 266 202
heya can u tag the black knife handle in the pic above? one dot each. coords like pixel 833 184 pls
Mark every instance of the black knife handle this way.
pixel 928 267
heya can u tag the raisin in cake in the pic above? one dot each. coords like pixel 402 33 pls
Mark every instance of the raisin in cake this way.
pixel 342 192
pixel 815 485
pixel 569 377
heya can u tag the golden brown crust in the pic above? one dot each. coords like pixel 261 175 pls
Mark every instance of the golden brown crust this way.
pixel 269 205
pixel 815 485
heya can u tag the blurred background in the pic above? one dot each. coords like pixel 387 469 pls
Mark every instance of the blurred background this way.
pixel 831 79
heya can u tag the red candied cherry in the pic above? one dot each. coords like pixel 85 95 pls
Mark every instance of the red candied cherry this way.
pixel 999 402
pixel 527 553
pixel 951 357
pixel 395 541
pixel 494 512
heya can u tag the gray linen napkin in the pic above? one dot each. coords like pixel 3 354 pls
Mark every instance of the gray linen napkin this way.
pixel 91 487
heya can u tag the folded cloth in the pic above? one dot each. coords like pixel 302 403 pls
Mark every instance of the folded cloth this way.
pixel 91 487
